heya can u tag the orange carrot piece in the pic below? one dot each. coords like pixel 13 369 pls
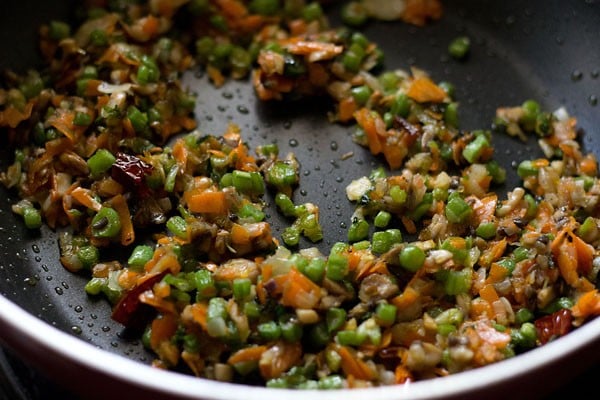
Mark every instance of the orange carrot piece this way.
pixel 402 374
pixel 347 107
pixel 239 234
pixel 496 274
pixel 212 202
pixel 12 116
pixel 407 298
pixel 493 252
pixel 181 153
pixel 127 232
pixel 354 366
pixel 567 262
pixel 85 198
pixel 246 354
pixel 367 122
pixel 489 294
pixel 585 254
pixel 163 329
pixel 424 90
pixel 588 165
pixel 587 305
pixel 200 313
pixel 299 291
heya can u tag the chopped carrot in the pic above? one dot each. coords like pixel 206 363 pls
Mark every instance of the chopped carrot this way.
pixel 418 12
pixel 585 254
pixel 239 234
pixel 164 259
pixel 402 374
pixel 279 358
pixel 589 165
pixel 299 291
pixel 407 298
pixel 163 328
pixel 62 120
pixel 424 90
pixel 181 153
pixel 127 232
pixel 346 109
pixel 58 146
pixel 128 279
pixel 409 224
pixel 497 273
pixel 200 313
pixel 85 198
pixel 368 122
pixel 207 201
pixel 394 154
pixel 12 116
pixel 587 305
pixel 493 252
pixel 252 353
pixel 489 294
pixel 354 366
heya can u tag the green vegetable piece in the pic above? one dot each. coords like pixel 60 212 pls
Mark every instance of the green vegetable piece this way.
pixel 106 223
pixel 472 151
pixel 354 14
pixel 527 168
pixel 331 382
pixel 386 314
pixel 205 284
pixel 82 119
pixel 100 162
pixel 337 266
pixel 523 315
pixel 269 330
pixel 59 30
pixel 248 182
pixel 486 230
pixel 531 109
pixel 241 288
pixel 457 209
pixel 177 226
pixel 140 255
pixel 291 236
pixel 412 258
pixel 457 282
pixel 264 7
pixel 335 318
pixel 382 219
pixel 361 94
pixel 350 338
pixel 459 47
pixel 88 255
pixel 358 230
pixel 382 242
pixel 94 286
pixel 282 175
pixel 398 194
pixel 451 115
pixel 312 11
pixel 32 218
pixel 138 119
pixel 315 269
pixel 401 105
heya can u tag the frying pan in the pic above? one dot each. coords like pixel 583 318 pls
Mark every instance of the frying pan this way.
pixel 543 50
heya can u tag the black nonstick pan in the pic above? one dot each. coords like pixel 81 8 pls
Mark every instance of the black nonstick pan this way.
pixel 543 50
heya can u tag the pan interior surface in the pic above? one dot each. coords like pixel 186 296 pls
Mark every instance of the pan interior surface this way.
pixel 518 52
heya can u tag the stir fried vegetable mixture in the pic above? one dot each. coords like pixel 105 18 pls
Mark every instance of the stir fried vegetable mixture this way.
pixel 440 274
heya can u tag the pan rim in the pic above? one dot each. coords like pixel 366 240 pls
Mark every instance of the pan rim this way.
pixel 25 327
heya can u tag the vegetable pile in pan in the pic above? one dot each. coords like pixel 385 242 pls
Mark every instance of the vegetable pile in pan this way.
pixel 107 152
